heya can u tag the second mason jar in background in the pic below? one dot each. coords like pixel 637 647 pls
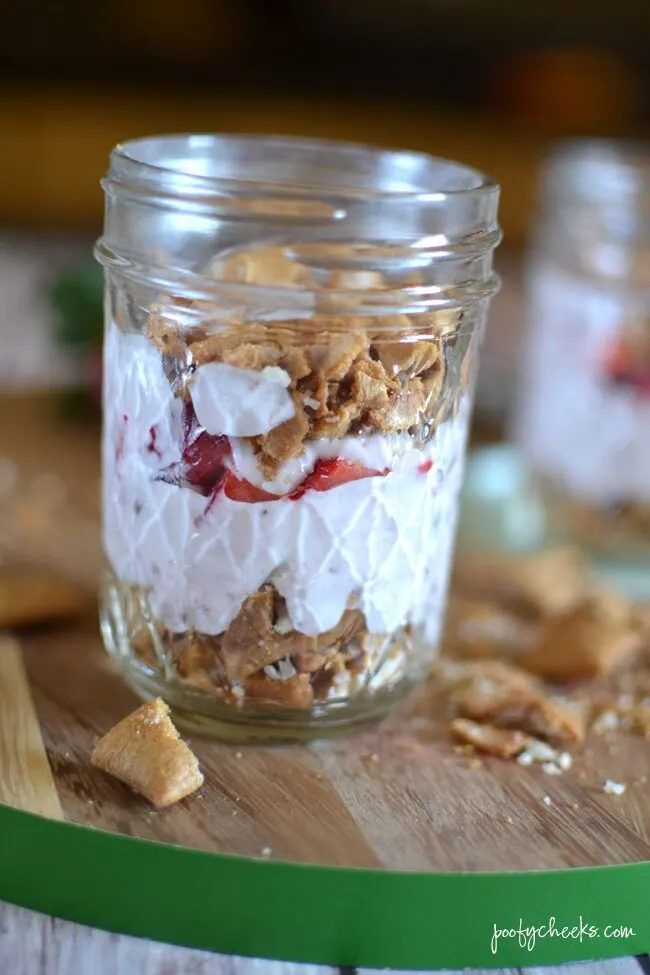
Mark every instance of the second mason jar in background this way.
pixel 583 419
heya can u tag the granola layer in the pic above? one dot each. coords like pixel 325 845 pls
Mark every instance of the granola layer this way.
pixel 261 657
pixel 346 376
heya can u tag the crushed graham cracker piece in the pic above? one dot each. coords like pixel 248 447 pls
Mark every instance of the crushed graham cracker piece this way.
pixel 370 385
pixel 284 441
pixel 559 721
pixel 545 584
pixel 29 597
pixel 146 752
pixel 246 646
pixel 497 693
pixel 336 423
pixel 252 355
pixel 309 661
pixel 252 642
pixel 215 346
pixel 333 360
pixel 296 692
pixel 295 362
pixel 502 742
pixel 591 640
pixel 410 357
pixel 404 410
pixel 195 654
pixel 478 628
pixel 165 333
pixel 481 690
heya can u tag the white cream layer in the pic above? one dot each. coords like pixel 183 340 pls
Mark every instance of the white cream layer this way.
pixel 584 433
pixel 383 543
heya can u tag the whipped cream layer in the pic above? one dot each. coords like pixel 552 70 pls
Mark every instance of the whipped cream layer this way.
pixel 381 543
pixel 580 430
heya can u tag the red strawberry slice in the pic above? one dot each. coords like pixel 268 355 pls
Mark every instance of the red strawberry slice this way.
pixel 425 466
pixel 202 461
pixel 331 473
pixel 237 489
pixel 621 368
pixel 617 359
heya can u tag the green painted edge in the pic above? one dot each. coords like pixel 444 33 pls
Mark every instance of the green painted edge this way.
pixel 312 913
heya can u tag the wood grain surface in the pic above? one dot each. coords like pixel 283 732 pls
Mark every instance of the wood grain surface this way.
pixel 25 776
pixel 397 795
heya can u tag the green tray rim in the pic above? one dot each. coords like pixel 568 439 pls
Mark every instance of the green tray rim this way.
pixel 340 916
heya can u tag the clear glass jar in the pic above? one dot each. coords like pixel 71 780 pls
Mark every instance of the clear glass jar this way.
pixel 292 330
pixel 583 421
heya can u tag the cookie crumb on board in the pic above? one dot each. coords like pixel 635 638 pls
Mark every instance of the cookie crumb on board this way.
pixel 613 788
pixel 502 742
pixel 145 751
pixel 533 646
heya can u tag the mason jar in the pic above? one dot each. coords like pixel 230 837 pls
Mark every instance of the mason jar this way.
pixel 583 422
pixel 292 331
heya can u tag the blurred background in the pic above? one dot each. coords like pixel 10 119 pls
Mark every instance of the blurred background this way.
pixel 493 83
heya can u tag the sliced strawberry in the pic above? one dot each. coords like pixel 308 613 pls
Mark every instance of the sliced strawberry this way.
pixel 617 359
pixel 237 489
pixel 202 462
pixel 331 473
pixel 425 466
pixel 621 368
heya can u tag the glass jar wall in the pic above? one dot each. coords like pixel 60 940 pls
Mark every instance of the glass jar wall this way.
pixel 292 331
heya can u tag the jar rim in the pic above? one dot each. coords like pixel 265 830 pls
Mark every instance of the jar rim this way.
pixel 439 178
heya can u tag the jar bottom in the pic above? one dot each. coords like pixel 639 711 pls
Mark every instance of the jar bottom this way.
pixel 152 672
pixel 198 714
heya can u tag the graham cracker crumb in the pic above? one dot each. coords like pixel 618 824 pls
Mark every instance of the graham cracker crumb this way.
pixel 501 742
pixel 592 639
pixel 613 788
pixel 146 752
pixel 544 584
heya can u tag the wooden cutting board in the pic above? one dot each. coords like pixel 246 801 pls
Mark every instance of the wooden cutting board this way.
pixel 397 795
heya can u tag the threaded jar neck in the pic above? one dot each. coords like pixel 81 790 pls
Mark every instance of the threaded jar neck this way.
pixel 373 229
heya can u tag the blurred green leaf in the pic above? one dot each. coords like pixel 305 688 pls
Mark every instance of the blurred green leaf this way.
pixel 76 299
